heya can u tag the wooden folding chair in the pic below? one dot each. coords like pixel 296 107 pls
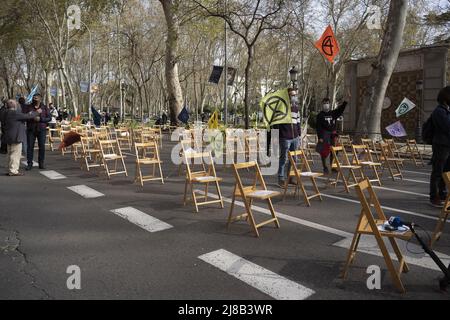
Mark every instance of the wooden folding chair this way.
pixel 256 191
pixel 395 151
pixel 413 153
pixel 444 213
pixel 371 224
pixel 53 138
pixel 345 141
pixel 147 154
pixel 205 176
pixel 110 152
pixel 310 147
pixel 373 148
pixel 300 169
pixel 342 164
pixel 390 162
pixel 123 136
pixel 363 157
pixel 90 153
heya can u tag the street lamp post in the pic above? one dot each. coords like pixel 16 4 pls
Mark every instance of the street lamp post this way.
pixel 293 74
pixel 419 90
pixel 90 69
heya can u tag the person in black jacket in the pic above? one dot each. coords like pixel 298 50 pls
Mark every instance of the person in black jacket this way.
pixel 3 147
pixel 15 134
pixel 327 131
pixel 37 129
pixel 441 148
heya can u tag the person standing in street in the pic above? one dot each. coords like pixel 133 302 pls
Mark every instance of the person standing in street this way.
pixel 15 135
pixel 441 148
pixel 289 138
pixel 37 129
pixel 327 130
pixel 3 146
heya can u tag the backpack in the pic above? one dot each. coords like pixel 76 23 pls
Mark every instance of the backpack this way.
pixel 428 131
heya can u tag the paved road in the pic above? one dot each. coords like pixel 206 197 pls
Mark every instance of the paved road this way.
pixel 46 227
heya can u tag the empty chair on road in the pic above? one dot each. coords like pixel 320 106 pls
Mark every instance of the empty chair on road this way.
pixel 300 170
pixel 363 157
pixel 112 158
pixel 257 190
pixel 346 171
pixel 147 155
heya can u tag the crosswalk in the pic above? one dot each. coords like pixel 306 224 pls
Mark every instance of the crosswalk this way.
pixel 264 280
pixel 142 220
pixel 86 192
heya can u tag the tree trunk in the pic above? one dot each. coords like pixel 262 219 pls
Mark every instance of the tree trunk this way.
pixel 172 79
pixel 370 117
pixel 250 52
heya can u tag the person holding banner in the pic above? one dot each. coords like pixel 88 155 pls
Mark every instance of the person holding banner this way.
pixel 441 148
pixel 327 130
pixel 289 137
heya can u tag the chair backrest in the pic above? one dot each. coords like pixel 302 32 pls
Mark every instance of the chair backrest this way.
pixel 299 162
pixel 147 150
pixel 361 153
pixel 110 147
pixel 340 157
pixel 369 200
pixel 201 160
pixel 258 182
pixel 386 151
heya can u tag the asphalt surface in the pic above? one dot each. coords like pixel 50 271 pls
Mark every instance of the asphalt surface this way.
pixel 45 227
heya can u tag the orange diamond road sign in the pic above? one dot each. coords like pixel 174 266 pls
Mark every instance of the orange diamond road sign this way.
pixel 328 45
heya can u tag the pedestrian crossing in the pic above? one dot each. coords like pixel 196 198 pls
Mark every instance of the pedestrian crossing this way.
pixel 266 281
pixel 142 220
pixel 86 192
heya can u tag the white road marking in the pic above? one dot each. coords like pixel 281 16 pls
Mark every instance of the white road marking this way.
pixel 86 192
pixel 417 172
pixel 412 180
pixel 369 245
pixel 264 280
pixel 35 164
pixel 53 175
pixel 424 262
pixel 385 208
pixel 393 190
pixel 142 219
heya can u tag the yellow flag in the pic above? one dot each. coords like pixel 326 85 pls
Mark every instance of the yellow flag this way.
pixel 276 108
pixel 213 122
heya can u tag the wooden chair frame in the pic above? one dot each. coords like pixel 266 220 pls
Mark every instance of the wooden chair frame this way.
pixel 299 170
pixel 390 162
pixel 342 166
pixel 257 191
pixel 368 224
pixel 110 151
pixel 147 154
pixel 90 153
pixel 366 161
pixel 206 176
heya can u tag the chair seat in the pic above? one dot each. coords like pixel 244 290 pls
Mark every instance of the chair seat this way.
pixel 206 179
pixel 112 157
pixel 350 167
pixel 149 161
pixel 262 194
pixel 311 174
pixel 370 163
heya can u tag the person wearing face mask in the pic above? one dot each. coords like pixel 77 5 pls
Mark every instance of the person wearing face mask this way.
pixel 37 129
pixel 441 148
pixel 327 130
pixel 289 137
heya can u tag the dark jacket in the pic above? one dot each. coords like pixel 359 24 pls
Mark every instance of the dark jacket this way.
pixel 441 126
pixel 292 130
pixel 326 121
pixel 45 118
pixel 15 125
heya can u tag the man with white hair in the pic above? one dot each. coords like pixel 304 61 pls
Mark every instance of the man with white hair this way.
pixel 15 134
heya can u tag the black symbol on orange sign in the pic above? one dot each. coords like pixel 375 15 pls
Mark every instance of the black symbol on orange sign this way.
pixel 327 46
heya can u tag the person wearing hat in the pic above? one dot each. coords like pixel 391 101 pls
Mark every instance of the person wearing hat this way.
pixel 37 129
pixel 289 138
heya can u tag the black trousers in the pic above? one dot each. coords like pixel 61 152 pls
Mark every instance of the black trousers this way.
pixel 41 136
pixel 441 164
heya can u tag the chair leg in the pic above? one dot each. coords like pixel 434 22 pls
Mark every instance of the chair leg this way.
pixel 272 211
pixel 230 216
pixel 351 255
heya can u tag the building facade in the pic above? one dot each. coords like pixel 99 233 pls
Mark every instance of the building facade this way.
pixel 430 65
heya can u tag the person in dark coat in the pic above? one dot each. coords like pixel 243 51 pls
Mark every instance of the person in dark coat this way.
pixel 37 129
pixel 441 148
pixel 327 130
pixel 3 146
pixel 15 134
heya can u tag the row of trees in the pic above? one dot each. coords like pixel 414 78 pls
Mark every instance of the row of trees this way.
pixel 151 56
